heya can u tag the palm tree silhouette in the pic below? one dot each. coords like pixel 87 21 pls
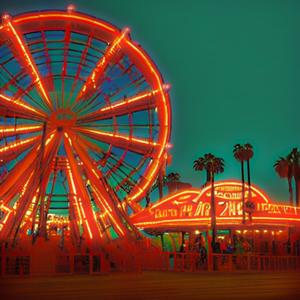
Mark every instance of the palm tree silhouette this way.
pixel 295 159
pixel 240 155
pixel 283 167
pixel 213 165
pixel 289 167
pixel 172 181
pixel 248 148
pixel 160 182
pixel 200 165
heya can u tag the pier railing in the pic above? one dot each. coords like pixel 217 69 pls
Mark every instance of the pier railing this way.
pixel 98 263
pixel 193 262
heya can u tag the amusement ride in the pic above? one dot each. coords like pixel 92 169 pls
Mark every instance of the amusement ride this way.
pixel 84 126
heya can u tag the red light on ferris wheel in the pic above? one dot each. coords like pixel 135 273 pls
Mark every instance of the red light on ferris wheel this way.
pixel 6 18
pixel 71 8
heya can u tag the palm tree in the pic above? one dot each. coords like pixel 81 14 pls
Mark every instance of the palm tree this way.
pixel 248 149
pixel 200 165
pixel 248 155
pixel 172 181
pixel 158 184
pixel 213 165
pixel 283 168
pixel 295 162
pixel 240 155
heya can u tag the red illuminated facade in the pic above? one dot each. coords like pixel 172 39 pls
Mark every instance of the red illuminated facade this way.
pixel 191 208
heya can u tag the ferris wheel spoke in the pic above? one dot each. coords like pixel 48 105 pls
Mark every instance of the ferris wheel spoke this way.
pixel 18 108
pixel 133 144
pixel 106 204
pixel 112 214
pixel 90 103
pixel 95 78
pixel 48 61
pixel 67 40
pixel 44 180
pixel 104 194
pixel 89 145
pixel 80 67
pixel 13 219
pixel 24 56
pixel 14 149
pixel 41 175
pixel 15 182
pixel 142 101
pixel 78 188
pixel 31 190
pixel 18 185
pixel 91 166
pixel 25 166
pixel 21 169
pixel 11 130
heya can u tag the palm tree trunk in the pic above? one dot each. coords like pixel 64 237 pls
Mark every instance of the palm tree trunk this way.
pixel 248 173
pixel 208 178
pixel 213 210
pixel 297 186
pixel 249 187
pixel 243 191
pixel 291 191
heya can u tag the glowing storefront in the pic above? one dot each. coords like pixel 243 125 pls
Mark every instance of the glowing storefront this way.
pixel 269 227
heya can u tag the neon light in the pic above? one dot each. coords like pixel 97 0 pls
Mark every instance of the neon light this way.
pixel 20 103
pixel 12 130
pixel 17 144
pixel 89 229
pixel 196 192
pixel 173 220
pixel 107 211
pixel 29 62
pixel 125 102
pixel 135 103
pixel 24 188
pixel 118 136
pixel 106 206
pixel 93 80
pixel 74 192
pixel 162 213
pixel 48 140
pixel 75 17
pixel 277 218
pixel 165 133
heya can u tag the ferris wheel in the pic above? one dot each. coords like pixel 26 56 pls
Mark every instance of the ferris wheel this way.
pixel 84 124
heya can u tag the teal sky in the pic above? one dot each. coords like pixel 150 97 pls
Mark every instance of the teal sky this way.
pixel 234 67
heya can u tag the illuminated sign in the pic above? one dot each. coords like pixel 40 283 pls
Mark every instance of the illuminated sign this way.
pixel 193 207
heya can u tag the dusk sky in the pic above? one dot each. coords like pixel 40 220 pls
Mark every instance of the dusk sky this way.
pixel 234 67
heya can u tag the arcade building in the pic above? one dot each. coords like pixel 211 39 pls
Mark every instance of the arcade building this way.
pixel 183 220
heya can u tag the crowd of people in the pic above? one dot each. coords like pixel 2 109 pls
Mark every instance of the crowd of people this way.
pixel 237 245
pixel 223 244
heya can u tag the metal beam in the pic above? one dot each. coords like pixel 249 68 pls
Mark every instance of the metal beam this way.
pixel 19 47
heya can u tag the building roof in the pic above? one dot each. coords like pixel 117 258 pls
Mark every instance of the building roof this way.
pixel 191 209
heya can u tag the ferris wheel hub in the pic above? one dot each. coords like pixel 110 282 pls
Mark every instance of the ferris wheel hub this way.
pixel 62 118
